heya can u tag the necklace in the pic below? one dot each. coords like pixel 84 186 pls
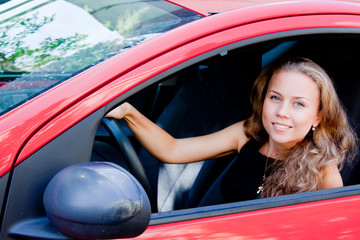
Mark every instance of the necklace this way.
pixel 260 188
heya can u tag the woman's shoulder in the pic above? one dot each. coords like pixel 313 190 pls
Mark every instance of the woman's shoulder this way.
pixel 242 138
pixel 332 177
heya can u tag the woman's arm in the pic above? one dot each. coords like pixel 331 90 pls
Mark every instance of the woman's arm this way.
pixel 170 150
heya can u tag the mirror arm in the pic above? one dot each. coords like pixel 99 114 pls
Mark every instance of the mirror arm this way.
pixel 35 228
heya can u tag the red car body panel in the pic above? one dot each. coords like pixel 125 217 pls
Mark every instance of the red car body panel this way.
pixel 328 219
pixel 27 128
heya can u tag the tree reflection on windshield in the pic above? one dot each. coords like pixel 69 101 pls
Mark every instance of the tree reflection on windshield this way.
pixel 50 42
pixel 17 56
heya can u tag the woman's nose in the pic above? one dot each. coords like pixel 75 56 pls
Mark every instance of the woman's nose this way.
pixel 283 110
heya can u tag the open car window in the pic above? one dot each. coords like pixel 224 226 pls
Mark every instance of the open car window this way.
pixel 214 93
pixel 41 45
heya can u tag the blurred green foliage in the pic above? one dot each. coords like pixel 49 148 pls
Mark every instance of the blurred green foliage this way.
pixel 17 56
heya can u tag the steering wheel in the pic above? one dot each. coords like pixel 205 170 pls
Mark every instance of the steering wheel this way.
pixel 131 158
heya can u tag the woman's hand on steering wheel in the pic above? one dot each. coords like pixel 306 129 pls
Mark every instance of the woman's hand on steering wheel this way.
pixel 131 158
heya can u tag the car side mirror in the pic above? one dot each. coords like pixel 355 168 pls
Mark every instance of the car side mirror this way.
pixel 97 200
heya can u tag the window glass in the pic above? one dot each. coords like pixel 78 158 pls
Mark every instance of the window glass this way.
pixel 45 42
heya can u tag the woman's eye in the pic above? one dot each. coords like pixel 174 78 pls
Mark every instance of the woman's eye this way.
pixel 299 104
pixel 274 98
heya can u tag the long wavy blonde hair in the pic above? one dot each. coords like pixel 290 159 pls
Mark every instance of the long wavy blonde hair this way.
pixel 302 168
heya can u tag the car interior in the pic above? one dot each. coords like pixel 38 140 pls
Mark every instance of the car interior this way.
pixel 214 93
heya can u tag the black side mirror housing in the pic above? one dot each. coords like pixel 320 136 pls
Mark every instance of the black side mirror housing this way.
pixel 97 200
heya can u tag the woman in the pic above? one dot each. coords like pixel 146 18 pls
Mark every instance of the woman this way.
pixel 298 131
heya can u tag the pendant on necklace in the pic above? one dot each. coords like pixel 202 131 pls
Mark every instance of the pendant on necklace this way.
pixel 260 188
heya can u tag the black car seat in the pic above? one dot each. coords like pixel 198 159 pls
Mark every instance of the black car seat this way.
pixel 343 69
pixel 213 95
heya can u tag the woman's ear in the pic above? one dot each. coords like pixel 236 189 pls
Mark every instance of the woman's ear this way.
pixel 317 119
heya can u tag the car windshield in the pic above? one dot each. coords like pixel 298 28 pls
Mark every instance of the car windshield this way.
pixel 46 42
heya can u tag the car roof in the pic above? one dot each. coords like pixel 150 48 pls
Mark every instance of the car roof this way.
pixel 209 7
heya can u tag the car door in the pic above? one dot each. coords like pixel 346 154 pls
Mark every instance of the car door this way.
pixel 319 215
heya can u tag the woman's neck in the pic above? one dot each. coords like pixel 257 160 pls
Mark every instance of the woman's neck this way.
pixel 272 150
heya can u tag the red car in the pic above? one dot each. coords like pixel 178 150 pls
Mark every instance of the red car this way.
pixel 66 172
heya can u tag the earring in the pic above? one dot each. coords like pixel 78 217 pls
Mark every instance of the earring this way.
pixel 313 128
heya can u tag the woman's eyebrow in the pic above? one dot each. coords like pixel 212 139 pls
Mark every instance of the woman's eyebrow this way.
pixel 303 98
pixel 274 92
pixel 295 97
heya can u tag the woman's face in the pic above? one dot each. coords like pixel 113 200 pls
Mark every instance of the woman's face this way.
pixel 290 108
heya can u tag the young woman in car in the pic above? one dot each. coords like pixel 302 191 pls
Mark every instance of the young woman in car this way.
pixel 296 140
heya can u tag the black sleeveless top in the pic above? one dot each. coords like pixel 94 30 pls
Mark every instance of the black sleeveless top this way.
pixel 242 180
